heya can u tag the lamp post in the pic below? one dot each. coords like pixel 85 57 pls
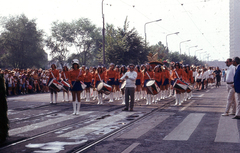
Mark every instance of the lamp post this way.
pixel 202 53
pixel 181 43
pixel 145 30
pixel 189 49
pixel 197 51
pixel 175 33
pixel 103 33
pixel 206 56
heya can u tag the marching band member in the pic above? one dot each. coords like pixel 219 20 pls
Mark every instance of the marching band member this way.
pixel 177 74
pixel 138 82
pixel 75 76
pixel 148 75
pixel 158 79
pixel 87 82
pixel 143 92
pixel 104 69
pixel 110 77
pixel 116 83
pixel 171 81
pixel 65 77
pixel 99 76
pixel 83 94
pixel 54 74
pixel 93 77
pixel 165 81
pixel 123 70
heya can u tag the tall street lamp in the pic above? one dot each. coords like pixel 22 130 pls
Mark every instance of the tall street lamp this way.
pixel 175 33
pixel 181 43
pixel 197 51
pixel 202 53
pixel 145 30
pixel 189 49
pixel 103 33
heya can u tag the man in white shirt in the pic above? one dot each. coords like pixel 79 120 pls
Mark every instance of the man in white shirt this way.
pixel 229 80
pixel 130 78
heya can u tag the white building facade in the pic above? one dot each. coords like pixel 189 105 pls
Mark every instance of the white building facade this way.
pixel 234 8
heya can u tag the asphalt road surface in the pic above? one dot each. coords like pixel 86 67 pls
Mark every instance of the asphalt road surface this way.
pixel 36 126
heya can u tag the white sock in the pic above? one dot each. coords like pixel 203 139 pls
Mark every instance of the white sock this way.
pixel 55 98
pixel 63 96
pixel 51 96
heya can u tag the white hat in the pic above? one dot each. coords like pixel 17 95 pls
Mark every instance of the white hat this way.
pixel 75 61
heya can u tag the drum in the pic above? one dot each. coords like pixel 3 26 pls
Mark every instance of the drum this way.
pixel 189 88
pixel 123 85
pixel 65 86
pixel 153 87
pixel 180 85
pixel 55 85
pixel 104 88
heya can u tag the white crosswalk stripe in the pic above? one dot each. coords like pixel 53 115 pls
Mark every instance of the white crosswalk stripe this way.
pixel 184 130
pixel 227 130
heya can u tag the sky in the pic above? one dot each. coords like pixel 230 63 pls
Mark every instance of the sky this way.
pixel 204 22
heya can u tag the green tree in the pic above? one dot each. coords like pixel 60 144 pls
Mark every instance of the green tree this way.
pixel 21 43
pixel 86 38
pixel 124 46
pixel 60 41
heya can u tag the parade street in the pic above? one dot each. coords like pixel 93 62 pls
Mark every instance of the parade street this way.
pixel 36 126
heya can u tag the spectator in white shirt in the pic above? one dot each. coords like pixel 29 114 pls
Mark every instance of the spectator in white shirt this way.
pixel 198 80
pixel 230 80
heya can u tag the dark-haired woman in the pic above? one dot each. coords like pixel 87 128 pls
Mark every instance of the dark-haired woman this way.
pixel 54 74
pixel 93 77
pixel 177 74
pixel 158 79
pixel 138 82
pixel 65 77
pixel 110 77
pixel 75 78
pixel 99 76
pixel 123 70
pixel 117 83
pixel 87 82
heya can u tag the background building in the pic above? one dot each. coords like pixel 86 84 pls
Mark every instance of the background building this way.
pixel 234 8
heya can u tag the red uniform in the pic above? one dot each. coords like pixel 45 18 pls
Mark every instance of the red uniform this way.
pixel 110 74
pixel 65 75
pixel 87 77
pixel 146 77
pixel 174 75
pixel 75 74
pixel 97 75
pixel 158 76
pixel 55 73
pixel 139 76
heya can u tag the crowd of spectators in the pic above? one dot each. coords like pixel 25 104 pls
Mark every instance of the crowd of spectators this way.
pixel 20 81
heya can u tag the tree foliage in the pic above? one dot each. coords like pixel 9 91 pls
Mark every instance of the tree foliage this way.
pixel 124 46
pixel 79 35
pixel 21 44
pixel 86 40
